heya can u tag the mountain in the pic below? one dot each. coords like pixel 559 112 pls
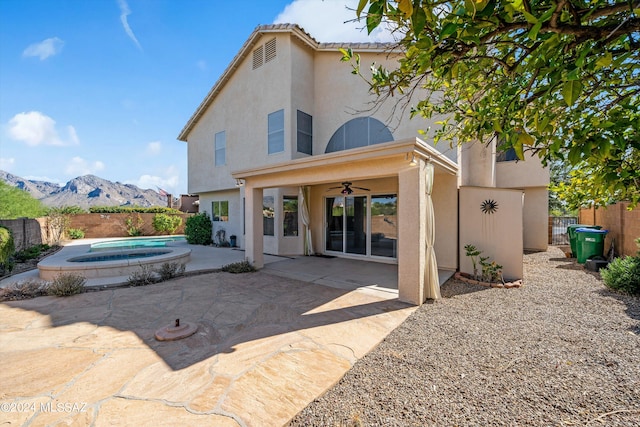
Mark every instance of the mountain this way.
pixel 86 191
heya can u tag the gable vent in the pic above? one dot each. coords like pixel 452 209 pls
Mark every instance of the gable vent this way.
pixel 270 50
pixel 258 55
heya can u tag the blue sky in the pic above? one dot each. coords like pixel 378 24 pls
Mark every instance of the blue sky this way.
pixel 104 87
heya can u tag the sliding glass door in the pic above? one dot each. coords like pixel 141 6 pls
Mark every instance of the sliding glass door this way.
pixel 353 226
pixel 356 225
pixel 335 224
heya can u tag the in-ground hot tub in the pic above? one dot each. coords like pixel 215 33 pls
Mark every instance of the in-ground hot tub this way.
pixel 109 263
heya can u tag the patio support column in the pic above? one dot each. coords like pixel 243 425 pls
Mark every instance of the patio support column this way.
pixel 254 240
pixel 411 234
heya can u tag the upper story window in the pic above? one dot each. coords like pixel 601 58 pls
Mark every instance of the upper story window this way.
pixel 264 53
pixel 275 135
pixel 305 133
pixel 506 155
pixel 503 155
pixel 359 132
pixel 220 148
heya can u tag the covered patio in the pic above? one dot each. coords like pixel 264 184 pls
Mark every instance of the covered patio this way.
pixel 424 181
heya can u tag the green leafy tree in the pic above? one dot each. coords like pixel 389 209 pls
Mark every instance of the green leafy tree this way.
pixel 17 203
pixel 558 78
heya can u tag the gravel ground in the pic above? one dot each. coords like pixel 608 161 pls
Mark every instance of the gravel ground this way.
pixel 561 351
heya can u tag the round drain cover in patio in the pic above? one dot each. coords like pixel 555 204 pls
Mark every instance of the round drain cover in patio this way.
pixel 176 331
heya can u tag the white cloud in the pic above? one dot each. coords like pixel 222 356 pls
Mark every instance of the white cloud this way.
pixel 154 148
pixel 79 166
pixel 45 48
pixel 169 180
pixel 35 128
pixel 124 12
pixel 331 21
pixel 6 163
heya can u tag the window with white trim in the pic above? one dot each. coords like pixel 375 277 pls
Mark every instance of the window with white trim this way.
pixel 305 133
pixel 275 135
pixel 220 209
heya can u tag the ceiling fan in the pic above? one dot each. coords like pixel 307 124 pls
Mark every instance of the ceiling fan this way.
pixel 347 188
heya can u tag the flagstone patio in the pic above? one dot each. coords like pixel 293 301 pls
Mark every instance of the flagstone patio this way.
pixel 266 346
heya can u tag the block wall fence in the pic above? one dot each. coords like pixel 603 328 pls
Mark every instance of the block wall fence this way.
pixel 623 225
pixel 28 232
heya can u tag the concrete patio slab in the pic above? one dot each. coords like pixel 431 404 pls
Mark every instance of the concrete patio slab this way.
pixel 266 346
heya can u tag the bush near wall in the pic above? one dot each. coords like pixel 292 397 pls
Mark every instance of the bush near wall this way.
pixel 7 247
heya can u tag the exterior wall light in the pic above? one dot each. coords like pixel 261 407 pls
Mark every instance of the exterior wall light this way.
pixel 413 160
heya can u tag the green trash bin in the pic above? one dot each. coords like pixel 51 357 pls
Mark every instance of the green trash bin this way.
pixel 590 243
pixel 571 230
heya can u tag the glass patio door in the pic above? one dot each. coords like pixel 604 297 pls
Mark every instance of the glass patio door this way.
pixel 335 224
pixel 356 229
pixel 346 224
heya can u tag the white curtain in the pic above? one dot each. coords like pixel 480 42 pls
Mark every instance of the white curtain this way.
pixel 431 282
pixel 303 196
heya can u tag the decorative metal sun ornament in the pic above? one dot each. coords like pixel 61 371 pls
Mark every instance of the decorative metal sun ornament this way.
pixel 489 206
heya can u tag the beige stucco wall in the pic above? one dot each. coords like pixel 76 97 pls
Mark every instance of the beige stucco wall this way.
pixel 445 202
pixel 241 109
pixel 299 78
pixel 234 225
pixel 536 218
pixel 522 174
pixel 302 75
pixel 341 96
pixel 477 164
pixel 278 244
pixel 317 83
pixel 498 235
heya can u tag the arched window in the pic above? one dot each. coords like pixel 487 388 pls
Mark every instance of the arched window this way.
pixel 359 132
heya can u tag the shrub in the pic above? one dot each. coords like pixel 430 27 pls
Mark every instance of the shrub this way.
pixel 239 267
pixel 32 252
pixel 146 276
pixel 57 223
pixel 7 247
pixel 623 275
pixel 134 226
pixel 70 210
pixel 75 233
pixel 164 223
pixel 23 290
pixel 169 270
pixel 198 228
pixel 67 284
pixel 132 209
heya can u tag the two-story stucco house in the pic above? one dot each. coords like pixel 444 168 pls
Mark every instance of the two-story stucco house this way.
pixel 290 153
